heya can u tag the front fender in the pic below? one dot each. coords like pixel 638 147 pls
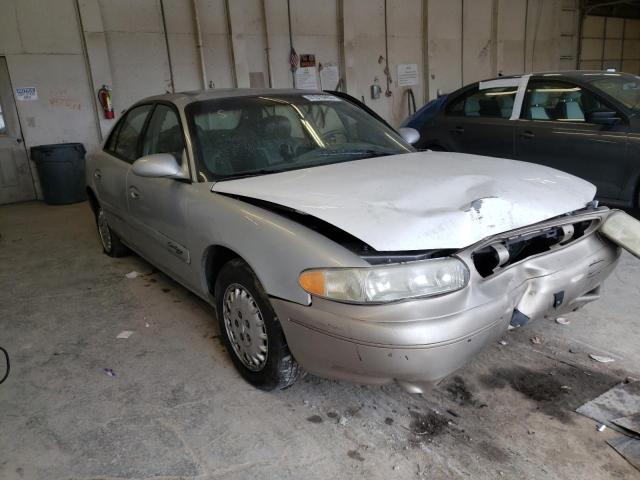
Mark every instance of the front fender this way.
pixel 276 248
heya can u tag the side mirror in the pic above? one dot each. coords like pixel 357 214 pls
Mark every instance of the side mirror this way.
pixel 410 135
pixel 603 118
pixel 159 165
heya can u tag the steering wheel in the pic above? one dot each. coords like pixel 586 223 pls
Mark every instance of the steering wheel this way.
pixel 330 136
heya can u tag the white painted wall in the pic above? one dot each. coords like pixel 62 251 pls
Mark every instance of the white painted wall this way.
pixel 43 49
pixel 454 42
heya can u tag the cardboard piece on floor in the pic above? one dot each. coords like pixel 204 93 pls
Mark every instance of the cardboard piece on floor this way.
pixel 620 401
pixel 629 448
pixel 631 423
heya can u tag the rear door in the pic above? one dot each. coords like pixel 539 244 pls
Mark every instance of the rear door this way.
pixel 16 181
pixel 478 121
pixel 112 165
pixel 157 206
pixel 555 129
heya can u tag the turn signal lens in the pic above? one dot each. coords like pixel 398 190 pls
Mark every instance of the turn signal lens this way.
pixel 387 283
pixel 312 281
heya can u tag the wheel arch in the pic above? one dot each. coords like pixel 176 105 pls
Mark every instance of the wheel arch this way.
pixel 213 259
pixel 93 200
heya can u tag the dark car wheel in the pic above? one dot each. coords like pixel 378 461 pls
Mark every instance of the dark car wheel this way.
pixel 251 330
pixel 111 243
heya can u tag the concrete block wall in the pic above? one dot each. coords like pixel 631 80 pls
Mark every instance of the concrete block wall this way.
pixel 69 48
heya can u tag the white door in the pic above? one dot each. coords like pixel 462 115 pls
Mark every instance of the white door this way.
pixel 16 182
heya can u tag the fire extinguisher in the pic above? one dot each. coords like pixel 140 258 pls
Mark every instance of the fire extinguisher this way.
pixel 104 97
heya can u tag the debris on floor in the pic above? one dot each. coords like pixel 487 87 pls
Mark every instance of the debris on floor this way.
pixel 630 423
pixel 125 334
pixel 563 321
pixel 619 408
pixel 536 340
pixel 620 401
pixel 110 372
pixel 133 274
pixel 503 342
pixel 629 448
pixel 601 358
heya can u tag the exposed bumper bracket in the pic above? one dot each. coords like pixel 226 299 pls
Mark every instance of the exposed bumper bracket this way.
pixel 518 319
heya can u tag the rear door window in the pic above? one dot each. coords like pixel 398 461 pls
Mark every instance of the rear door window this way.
pixel 560 102
pixel 129 134
pixel 489 103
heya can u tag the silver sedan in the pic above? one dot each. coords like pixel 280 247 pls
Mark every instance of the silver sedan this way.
pixel 324 241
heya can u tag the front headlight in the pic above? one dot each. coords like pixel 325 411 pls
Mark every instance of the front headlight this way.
pixel 623 230
pixel 379 284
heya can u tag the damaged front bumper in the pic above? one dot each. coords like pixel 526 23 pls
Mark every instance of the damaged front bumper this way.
pixel 417 343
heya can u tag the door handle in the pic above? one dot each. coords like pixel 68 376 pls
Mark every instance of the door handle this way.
pixel 97 174
pixel 527 134
pixel 19 141
pixel 458 130
pixel 134 193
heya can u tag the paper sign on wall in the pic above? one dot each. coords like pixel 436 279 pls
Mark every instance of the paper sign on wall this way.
pixel 329 76
pixel 407 74
pixel 306 78
pixel 26 94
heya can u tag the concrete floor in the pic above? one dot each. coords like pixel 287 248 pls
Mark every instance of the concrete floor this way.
pixel 176 408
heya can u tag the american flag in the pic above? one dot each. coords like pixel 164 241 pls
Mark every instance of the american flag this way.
pixel 293 60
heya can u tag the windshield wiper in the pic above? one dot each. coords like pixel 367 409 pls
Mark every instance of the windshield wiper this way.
pixel 252 173
pixel 369 153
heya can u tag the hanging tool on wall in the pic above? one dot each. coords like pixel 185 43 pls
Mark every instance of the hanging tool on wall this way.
pixel 104 97
pixel 293 55
pixel 8 368
pixel 387 72
pixel 411 102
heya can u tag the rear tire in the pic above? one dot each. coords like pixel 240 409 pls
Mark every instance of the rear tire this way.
pixel 251 330
pixel 111 243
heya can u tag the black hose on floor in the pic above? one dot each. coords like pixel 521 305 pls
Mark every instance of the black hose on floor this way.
pixel 6 356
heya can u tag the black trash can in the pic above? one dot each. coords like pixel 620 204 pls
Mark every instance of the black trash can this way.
pixel 61 171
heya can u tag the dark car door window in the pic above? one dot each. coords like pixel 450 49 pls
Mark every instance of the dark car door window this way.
pixel 492 103
pixel 129 134
pixel 560 102
pixel 478 121
pixel 164 133
pixel 555 130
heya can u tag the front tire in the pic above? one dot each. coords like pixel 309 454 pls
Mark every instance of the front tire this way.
pixel 111 243
pixel 251 330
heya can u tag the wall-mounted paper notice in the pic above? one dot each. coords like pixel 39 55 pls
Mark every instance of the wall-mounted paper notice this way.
pixel 407 74
pixel 329 77
pixel 26 94
pixel 306 78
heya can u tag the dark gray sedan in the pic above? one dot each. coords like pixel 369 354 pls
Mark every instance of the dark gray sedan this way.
pixel 583 122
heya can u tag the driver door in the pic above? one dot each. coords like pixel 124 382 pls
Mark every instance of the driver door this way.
pixel 158 206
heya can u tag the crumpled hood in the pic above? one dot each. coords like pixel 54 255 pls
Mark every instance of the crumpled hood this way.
pixel 423 200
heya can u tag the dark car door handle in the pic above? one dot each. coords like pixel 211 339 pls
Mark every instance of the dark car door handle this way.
pixel 97 174
pixel 527 134
pixel 458 130
pixel 134 193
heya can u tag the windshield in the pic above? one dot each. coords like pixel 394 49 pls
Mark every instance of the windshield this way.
pixel 244 136
pixel 624 88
